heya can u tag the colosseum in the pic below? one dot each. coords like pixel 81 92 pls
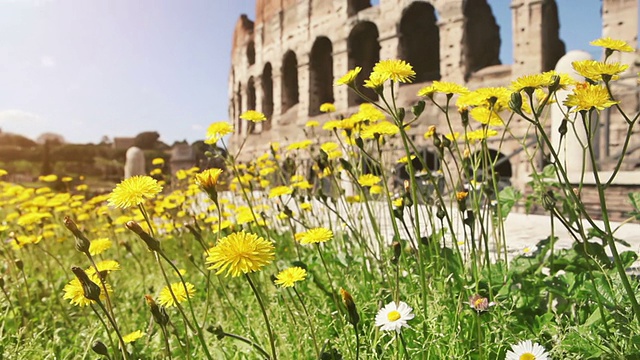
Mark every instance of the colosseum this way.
pixel 285 63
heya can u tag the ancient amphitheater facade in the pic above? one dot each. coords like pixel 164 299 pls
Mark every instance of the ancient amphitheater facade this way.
pixel 285 62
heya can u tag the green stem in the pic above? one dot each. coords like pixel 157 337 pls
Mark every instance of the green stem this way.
pixel 272 341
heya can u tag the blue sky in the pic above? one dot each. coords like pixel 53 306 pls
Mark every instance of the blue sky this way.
pixel 90 68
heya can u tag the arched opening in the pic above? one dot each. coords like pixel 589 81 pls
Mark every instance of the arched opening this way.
pixel 251 53
pixel 251 103
pixel 355 6
pixel 364 51
pixel 481 36
pixel 267 95
pixel 500 167
pixel 553 48
pixel 426 157
pixel 420 40
pixel 240 110
pixel 320 75
pixel 289 81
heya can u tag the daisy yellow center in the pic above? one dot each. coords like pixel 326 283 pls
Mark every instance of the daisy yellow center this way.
pixel 393 315
pixel 478 302
pixel 527 356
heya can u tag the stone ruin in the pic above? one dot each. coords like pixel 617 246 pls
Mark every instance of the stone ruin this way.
pixel 285 63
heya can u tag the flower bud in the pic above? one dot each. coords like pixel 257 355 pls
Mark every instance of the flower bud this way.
pixel 354 318
pixel 82 243
pixel 515 104
pixel 91 290
pixel 100 348
pixel 19 264
pixel 397 251
pixel 152 244
pixel 563 127
pixel 159 314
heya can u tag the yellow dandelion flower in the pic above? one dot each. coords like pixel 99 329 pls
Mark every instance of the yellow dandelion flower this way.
pixel 317 235
pixel 529 83
pixel 375 81
pixel 332 125
pixel 586 97
pixel 598 70
pixel 480 134
pixel 208 179
pixel 312 123
pixel 65 179
pixel 3 172
pixel 381 128
pixel 397 202
pixel 305 206
pixel 405 159
pixel 240 253
pixel 376 189
pixel 350 77
pixel 352 199
pixel 133 191
pixel 368 112
pixel 217 130
pixel 427 91
pixel 48 178
pixel 280 191
pixel 496 97
pixel 157 161
pixel 368 180
pixel 98 246
pixel 82 187
pixel 288 277
pixel 327 108
pixel 181 293
pixel 453 136
pixel 461 195
pixel 253 116
pixel 395 70
pixel 565 79
pixel 485 116
pixel 131 337
pixel 430 132
pixel 302 185
pixel 104 266
pixel 300 145
pixel 612 44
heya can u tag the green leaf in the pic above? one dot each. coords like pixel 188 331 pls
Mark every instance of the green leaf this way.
pixel 508 198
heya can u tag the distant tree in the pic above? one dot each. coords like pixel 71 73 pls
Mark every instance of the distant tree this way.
pixel 53 139
pixel 105 140
pixel 47 166
pixel 147 140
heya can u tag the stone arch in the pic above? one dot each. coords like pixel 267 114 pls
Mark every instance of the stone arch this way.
pixel 290 94
pixel 426 157
pixel 251 102
pixel 355 6
pixel 320 74
pixel 251 53
pixel 420 40
pixel 364 51
pixel 481 41
pixel 552 47
pixel 267 95
pixel 501 167
pixel 237 120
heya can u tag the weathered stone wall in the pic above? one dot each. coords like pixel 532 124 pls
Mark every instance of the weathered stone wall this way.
pixel 302 46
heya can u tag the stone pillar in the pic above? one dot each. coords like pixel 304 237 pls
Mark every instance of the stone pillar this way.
pixel 277 95
pixel 340 67
pixel 451 26
pixel 134 163
pixel 303 88
pixel 257 82
pixel 526 17
pixel 570 151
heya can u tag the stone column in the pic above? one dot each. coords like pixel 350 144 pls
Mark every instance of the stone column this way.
pixel 451 26
pixel 257 82
pixel 340 67
pixel 526 17
pixel 570 151
pixel 303 88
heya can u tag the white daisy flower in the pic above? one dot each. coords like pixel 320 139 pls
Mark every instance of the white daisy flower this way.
pixel 394 316
pixel 527 350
